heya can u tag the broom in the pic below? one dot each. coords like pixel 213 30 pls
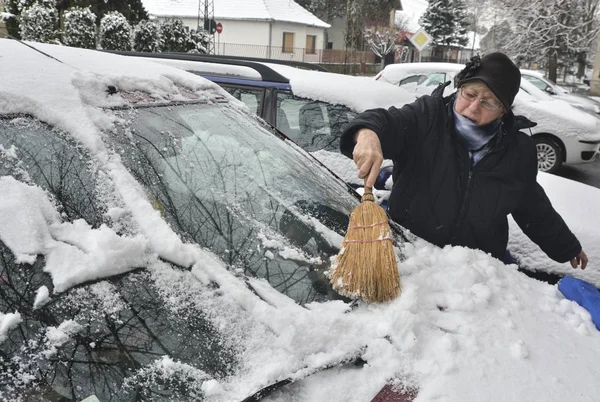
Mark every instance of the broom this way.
pixel 366 264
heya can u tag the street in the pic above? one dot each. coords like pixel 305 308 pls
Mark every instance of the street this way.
pixel 587 173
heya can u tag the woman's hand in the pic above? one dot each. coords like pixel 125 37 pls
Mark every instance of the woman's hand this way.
pixel 368 155
pixel 580 258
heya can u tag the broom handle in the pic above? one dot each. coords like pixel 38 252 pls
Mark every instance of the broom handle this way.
pixel 368 190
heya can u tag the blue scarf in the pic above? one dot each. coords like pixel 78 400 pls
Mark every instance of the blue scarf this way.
pixel 476 138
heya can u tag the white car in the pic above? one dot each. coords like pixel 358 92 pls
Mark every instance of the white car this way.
pixel 579 101
pixel 563 134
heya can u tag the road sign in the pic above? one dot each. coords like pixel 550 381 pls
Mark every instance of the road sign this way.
pixel 210 26
pixel 421 39
pixel 219 28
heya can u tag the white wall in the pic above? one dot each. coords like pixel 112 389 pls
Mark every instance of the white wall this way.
pixel 251 38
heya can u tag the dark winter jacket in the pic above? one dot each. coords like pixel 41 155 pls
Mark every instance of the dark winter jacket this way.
pixel 439 197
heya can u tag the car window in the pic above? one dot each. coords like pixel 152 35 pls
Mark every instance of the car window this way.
pixel 434 79
pixel 252 97
pixel 413 79
pixel 537 82
pixel 227 184
pixel 313 125
pixel 46 158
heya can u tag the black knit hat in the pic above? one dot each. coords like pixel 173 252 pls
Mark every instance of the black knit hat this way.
pixel 498 72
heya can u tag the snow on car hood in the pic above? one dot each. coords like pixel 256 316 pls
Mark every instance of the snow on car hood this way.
pixel 466 327
pixel 357 93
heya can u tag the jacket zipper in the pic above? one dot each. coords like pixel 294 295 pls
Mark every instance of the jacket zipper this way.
pixel 465 201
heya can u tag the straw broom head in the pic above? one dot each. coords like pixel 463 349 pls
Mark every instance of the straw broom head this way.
pixel 366 264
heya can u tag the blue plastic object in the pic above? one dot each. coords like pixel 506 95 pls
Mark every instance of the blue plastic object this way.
pixel 382 177
pixel 584 293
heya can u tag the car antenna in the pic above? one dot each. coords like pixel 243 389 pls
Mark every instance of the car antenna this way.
pixel 31 47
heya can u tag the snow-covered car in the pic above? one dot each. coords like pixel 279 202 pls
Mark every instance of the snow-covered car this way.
pixel 309 106
pixel 159 242
pixel 577 100
pixel 564 134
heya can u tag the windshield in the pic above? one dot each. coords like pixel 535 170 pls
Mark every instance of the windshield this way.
pixel 226 183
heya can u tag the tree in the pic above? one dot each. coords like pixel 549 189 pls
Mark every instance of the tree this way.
pixel 446 21
pixel 175 36
pixel 146 37
pixel 552 31
pixel 198 41
pixel 79 28
pixel 327 10
pixel 39 22
pixel 133 10
pixel 115 32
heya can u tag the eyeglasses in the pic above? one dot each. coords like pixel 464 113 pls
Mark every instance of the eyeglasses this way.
pixel 471 96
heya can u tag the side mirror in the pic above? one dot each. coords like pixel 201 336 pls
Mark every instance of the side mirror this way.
pixel 550 90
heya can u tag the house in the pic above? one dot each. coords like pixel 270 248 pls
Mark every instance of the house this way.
pixel 255 28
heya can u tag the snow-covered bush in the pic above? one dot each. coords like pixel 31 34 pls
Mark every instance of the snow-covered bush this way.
pixel 146 37
pixel 39 22
pixel 115 32
pixel 197 42
pixel 175 36
pixel 80 28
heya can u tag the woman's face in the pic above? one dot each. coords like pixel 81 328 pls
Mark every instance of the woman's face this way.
pixel 477 102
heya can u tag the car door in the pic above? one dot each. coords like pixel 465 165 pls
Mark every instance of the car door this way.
pixel 253 97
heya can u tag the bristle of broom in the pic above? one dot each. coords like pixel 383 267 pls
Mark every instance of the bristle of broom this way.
pixel 366 265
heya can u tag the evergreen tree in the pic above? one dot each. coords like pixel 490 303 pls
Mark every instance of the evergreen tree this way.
pixel 197 42
pixel 115 32
pixel 79 28
pixel 438 21
pixel 175 36
pixel 147 38
pixel 39 22
pixel 461 23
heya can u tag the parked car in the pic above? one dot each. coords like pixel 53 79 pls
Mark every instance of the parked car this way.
pixel 563 134
pixel 577 100
pixel 309 105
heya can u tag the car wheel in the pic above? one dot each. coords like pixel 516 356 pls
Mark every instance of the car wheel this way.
pixel 549 154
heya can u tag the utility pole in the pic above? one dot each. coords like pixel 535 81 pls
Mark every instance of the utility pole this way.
pixel 206 22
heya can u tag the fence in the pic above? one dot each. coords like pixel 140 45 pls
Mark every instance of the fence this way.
pixel 320 56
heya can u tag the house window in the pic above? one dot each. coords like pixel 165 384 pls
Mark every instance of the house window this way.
pixel 288 42
pixel 311 44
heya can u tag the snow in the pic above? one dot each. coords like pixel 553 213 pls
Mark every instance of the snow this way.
pixel 466 327
pixel 333 88
pixel 75 253
pixel 42 297
pixel 8 321
pixel 259 10
pixel 576 203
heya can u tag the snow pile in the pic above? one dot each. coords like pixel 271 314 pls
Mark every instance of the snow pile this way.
pixel 58 336
pixel 576 203
pixel 29 225
pixel 8 321
pixel 333 88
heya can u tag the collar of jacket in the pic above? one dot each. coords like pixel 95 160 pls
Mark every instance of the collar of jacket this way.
pixel 509 126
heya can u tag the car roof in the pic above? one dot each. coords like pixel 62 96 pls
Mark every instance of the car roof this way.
pixel 313 84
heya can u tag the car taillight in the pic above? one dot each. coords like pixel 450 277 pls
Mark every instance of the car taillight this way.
pixel 378 76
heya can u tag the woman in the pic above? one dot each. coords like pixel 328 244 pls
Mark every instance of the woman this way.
pixel 461 165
